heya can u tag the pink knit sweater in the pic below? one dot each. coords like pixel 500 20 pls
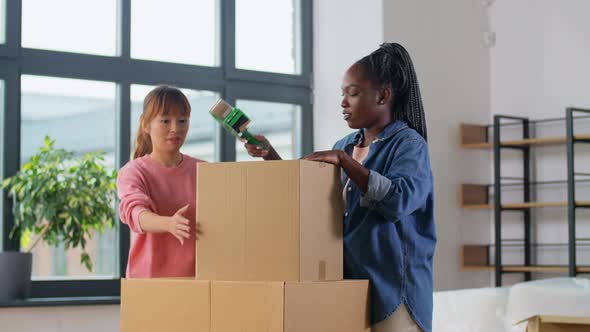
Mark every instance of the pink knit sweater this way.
pixel 143 184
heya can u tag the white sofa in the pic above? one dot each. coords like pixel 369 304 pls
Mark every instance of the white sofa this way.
pixel 499 309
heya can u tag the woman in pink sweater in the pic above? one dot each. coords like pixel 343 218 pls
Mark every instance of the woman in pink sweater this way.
pixel 157 190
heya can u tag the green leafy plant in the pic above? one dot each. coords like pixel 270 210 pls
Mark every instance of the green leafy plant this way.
pixel 62 198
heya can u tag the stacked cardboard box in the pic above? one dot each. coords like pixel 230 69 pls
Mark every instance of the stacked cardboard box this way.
pixel 269 259
pixel 548 323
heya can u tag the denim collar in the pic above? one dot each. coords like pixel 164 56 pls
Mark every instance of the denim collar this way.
pixel 390 130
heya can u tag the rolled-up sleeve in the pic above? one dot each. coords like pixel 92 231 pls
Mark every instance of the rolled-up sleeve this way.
pixel 405 185
pixel 133 197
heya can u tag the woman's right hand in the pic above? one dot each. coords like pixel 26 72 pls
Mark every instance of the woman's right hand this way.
pixel 179 225
pixel 259 152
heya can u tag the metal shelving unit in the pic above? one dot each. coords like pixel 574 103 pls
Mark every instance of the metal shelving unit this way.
pixel 477 196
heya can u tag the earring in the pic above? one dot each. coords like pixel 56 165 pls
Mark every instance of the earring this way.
pixel 381 102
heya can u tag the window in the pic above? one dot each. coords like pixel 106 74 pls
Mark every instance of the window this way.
pixel 79 72
pixel 181 31
pixel 272 43
pixel 200 141
pixel 80 116
pixel 72 26
pixel 276 121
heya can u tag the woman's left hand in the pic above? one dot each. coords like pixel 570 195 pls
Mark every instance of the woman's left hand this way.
pixel 332 156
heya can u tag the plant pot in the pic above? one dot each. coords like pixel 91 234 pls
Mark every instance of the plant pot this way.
pixel 15 278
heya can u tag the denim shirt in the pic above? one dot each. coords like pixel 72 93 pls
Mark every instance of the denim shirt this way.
pixel 389 233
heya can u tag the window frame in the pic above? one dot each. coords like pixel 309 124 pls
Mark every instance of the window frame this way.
pixel 231 84
pixel 305 25
pixel 13 30
pixel 11 78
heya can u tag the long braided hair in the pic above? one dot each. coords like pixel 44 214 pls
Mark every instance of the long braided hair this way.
pixel 391 65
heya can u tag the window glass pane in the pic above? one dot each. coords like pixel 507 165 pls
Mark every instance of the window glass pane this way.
pixel 72 26
pixel 181 31
pixel 80 116
pixel 278 122
pixel 2 21
pixel 271 44
pixel 200 140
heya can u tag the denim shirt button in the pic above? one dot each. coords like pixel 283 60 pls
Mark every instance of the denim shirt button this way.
pixel 346 214
pixel 349 188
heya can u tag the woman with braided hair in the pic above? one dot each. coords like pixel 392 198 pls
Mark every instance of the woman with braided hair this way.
pixel 389 233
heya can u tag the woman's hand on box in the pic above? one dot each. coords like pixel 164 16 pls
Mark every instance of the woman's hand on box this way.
pixel 332 156
pixel 179 225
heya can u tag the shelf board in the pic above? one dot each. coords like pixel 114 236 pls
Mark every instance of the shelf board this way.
pixel 543 141
pixel 481 146
pixel 535 141
pixel 542 268
pixel 477 206
pixel 522 268
pixel 476 268
pixel 523 205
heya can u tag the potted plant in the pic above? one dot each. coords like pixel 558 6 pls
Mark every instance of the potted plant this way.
pixel 58 198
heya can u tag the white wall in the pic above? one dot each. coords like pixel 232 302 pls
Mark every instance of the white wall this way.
pixel 540 62
pixel 344 31
pixel 444 39
pixel 102 318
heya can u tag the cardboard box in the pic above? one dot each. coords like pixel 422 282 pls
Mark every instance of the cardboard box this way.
pixel 225 306
pixel 165 305
pixel 269 220
pixel 546 323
